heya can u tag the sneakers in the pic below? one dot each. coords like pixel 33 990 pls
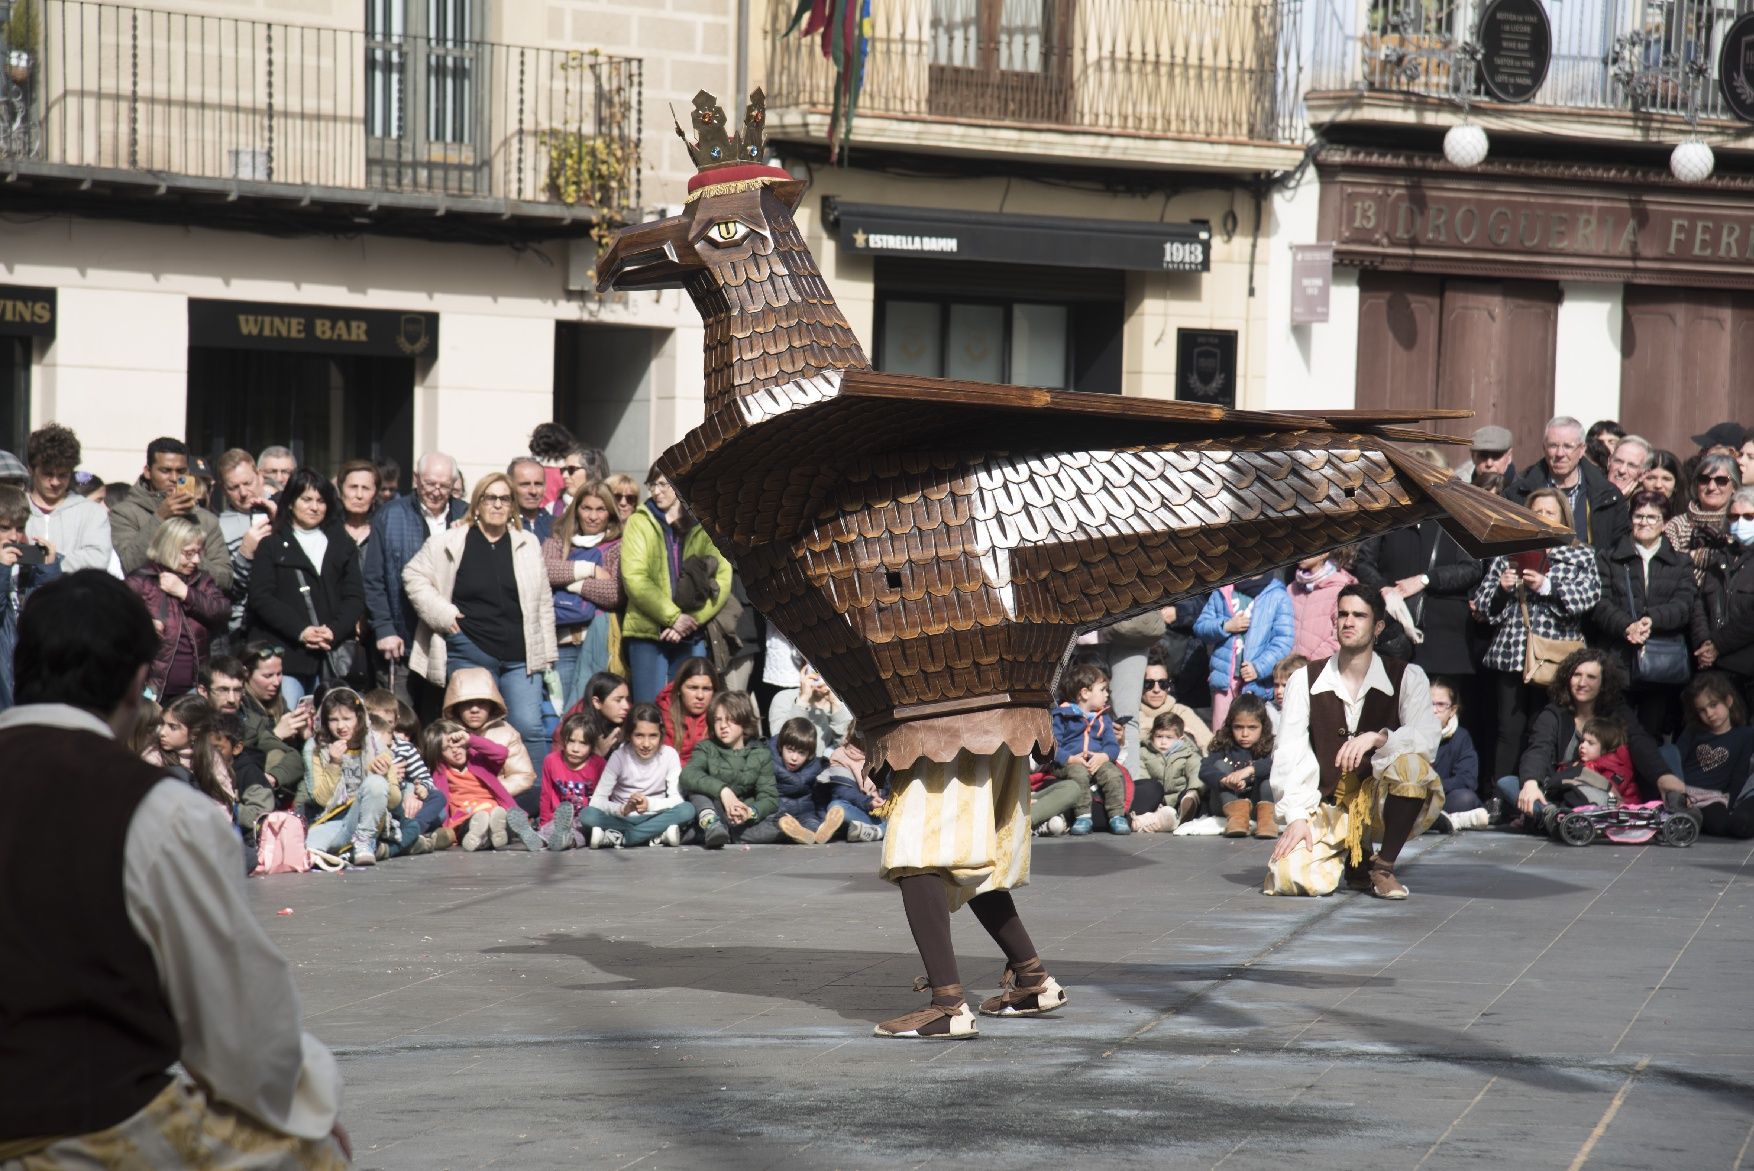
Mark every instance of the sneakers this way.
pixel 422 845
pixel 365 850
pixel 864 831
pixel 476 835
pixel 519 823
pixel 597 835
pixel 1081 826
pixel 948 1021
pixel 560 829
pixel 672 836
pixel 831 823
pixel 1028 991
pixel 794 830
pixel 496 825
pixel 713 834
pixel 1442 825
pixel 1118 824
pixel 612 839
pixel 1189 806
pixel 1158 821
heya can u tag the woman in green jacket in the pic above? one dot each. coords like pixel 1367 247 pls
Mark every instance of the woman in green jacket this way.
pixel 730 780
pixel 659 540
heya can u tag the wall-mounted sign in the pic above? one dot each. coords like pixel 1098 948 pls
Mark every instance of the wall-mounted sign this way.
pixel 26 312
pixel 1735 67
pixel 1516 47
pixel 1205 366
pixel 250 325
pixel 1312 274
pixel 878 230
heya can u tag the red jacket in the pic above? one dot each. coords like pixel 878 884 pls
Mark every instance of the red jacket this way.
pixel 693 728
pixel 189 625
pixel 1617 767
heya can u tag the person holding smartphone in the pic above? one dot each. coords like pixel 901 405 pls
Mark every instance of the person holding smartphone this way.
pixel 1548 593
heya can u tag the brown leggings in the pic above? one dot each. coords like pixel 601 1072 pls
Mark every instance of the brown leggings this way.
pixel 928 917
pixel 1398 817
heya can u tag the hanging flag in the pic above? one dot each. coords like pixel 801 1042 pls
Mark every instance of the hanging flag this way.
pixel 845 28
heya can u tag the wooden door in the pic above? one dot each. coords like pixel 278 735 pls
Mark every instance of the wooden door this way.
pixel 1002 60
pixel 1498 351
pixel 1399 320
pixel 1676 352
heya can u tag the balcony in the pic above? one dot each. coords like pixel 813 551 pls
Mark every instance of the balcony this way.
pixel 1186 84
pixel 1619 67
pixel 153 114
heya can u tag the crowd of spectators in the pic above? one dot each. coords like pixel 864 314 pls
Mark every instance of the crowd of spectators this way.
pixel 557 659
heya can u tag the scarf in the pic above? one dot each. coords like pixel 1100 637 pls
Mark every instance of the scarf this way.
pixel 1308 577
pixel 1449 729
pixel 588 541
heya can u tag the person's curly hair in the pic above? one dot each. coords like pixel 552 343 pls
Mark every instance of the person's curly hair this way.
pixel 1613 679
pixel 52 448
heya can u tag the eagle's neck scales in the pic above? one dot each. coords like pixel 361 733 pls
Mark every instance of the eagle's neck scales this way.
pixel 770 320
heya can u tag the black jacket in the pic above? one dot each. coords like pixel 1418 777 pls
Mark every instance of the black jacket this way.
pixel 277 609
pixel 1723 614
pixel 1440 610
pixel 1607 517
pixel 1550 735
pixel 1667 601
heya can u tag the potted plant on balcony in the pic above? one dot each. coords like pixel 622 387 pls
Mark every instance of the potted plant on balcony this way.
pixel 23 31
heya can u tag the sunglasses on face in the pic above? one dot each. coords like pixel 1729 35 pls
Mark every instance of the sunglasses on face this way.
pixel 1156 685
pixel 628 498
pixel 1716 481
pixel 570 469
pixel 1742 516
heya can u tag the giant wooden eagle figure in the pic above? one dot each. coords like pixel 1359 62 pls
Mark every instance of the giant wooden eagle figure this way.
pixel 934 546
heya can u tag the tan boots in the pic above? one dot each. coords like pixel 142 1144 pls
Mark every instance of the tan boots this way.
pixel 1266 819
pixel 1236 819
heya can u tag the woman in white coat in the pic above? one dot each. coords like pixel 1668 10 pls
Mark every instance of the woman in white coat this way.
pixel 482 596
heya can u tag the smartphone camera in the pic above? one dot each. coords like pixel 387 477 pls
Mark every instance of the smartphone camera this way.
pixel 31 554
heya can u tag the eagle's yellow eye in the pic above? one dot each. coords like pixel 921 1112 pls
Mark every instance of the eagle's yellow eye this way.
pixel 728 231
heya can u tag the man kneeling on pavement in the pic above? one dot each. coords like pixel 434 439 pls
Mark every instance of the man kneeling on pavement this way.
pixel 1353 763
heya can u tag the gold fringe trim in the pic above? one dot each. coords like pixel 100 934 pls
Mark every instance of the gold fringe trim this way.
pixel 731 187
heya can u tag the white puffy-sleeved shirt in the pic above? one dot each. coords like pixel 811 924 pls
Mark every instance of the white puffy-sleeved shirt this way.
pixel 228 986
pixel 1296 774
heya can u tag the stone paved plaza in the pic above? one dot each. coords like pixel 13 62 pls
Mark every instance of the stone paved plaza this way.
pixel 1532 1006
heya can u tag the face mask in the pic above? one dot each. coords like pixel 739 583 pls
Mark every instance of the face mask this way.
pixel 1743 530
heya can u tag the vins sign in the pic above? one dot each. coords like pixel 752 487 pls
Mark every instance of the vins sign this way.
pixel 1185 255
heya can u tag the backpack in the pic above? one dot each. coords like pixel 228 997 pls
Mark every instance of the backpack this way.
pixel 280 845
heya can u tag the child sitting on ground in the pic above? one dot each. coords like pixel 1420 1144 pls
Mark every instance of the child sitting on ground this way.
pixel 350 780
pixel 730 780
pixel 1288 666
pixel 569 778
pixel 420 822
pixel 844 780
pixel 465 767
pixel 248 768
pixel 1238 770
pixel 795 769
pixel 1716 750
pixel 1171 760
pixel 1085 747
pixel 1458 764
pixel 638 799
pixel 185 748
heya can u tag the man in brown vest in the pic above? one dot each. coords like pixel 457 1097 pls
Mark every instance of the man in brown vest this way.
pixel 127 948
pixel 1353 762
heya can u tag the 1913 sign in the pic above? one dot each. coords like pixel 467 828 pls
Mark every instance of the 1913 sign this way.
pixel 1205 366
pixel 1516 47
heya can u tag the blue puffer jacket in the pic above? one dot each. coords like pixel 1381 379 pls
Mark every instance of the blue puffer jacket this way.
pixel 797 787
pixel 1272 630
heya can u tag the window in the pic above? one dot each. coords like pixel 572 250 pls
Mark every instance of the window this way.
pixel 425 68
pixel 1001 59
pixel 1022 344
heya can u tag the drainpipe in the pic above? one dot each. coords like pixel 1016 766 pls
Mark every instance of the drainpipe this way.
pixel 742 76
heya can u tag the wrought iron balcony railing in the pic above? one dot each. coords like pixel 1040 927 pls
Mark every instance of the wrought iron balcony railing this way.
pixel 1650 56
pixel 1224 70
pixel 270 106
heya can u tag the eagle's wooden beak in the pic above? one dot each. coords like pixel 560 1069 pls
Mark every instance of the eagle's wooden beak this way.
pixel 654 255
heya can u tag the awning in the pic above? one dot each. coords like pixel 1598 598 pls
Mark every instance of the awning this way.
pixel 879 230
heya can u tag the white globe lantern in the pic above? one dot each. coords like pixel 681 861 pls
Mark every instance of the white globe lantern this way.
pixel 1466 145
pixel 1692 162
